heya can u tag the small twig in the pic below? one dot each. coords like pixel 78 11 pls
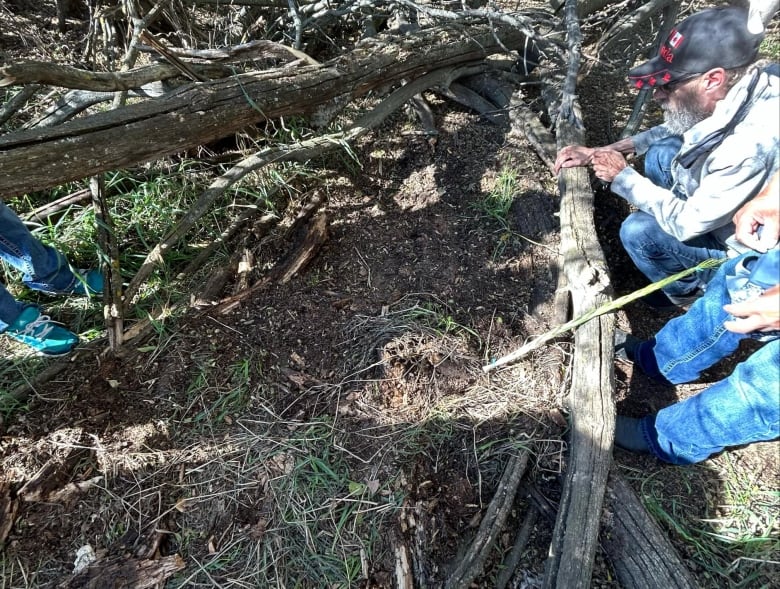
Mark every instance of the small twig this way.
pixel 521 539
pixel 139 26
pixel 45 211
pixel 602 310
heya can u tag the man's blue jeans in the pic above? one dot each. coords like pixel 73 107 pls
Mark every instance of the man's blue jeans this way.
pixel 43 268
pixel 742 408
pixel 657 254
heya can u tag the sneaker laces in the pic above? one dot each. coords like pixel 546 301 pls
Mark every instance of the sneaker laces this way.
pixel 44 322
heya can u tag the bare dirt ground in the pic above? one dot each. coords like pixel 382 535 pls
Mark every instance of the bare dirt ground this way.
pixel 350 401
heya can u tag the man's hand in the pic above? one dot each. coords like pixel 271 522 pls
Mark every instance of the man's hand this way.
pixel 607 163
pixel 573 156
pixel 763 212
pixel 759 314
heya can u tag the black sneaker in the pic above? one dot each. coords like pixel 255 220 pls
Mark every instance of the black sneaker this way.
pixel 626 345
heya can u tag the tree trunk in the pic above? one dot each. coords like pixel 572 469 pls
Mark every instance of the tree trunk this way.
pixel 198 113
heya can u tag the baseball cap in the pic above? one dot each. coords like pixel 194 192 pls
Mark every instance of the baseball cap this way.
pixel 715 37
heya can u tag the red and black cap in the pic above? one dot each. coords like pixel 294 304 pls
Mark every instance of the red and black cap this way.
pixel 715 37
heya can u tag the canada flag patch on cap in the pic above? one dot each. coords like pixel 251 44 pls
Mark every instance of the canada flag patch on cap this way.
pixel 675 39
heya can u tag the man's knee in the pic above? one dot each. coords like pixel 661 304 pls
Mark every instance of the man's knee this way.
pixel 637 229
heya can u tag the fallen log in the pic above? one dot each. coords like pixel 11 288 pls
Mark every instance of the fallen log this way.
pixel 198 113
pixel 591 396
pixel 640 552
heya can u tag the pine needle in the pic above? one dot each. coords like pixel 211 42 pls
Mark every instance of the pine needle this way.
pixel 602 310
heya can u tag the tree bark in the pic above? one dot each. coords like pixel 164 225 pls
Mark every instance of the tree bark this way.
pixel 591 398
pixel 636 546
pixel 198 113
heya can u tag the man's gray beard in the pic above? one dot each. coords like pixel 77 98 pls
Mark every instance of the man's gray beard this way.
pixel 679 121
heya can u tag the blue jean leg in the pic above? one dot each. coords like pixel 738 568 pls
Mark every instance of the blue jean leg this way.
pixel 691 343
pixel 658 160
pixel 9 309
pixel 658 255
pixel 743 408
pixel 43 268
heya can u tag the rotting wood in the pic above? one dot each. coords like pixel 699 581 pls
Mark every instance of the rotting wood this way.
pixel 126 573
pixel 316 236
pixel 491 526
pixel 591 396
pixel 51 477
pixel 640 552
pixel 403 572
pixel 36 159
pixel 9 505
pixel 526 122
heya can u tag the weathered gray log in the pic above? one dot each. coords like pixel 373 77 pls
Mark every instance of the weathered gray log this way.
pixel 591 398
pixel 640 552
pixel 198 113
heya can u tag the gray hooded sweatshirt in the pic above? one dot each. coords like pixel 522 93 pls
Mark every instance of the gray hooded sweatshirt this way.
pixel 715 182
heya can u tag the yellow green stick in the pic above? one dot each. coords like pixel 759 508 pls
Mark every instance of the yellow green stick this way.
pixel 603 309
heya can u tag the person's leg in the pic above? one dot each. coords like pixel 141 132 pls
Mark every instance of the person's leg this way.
pixel 43 267
pixel 10 309
pixel 658 255
pixel 658 161
pixel 743 408
pixel 689 344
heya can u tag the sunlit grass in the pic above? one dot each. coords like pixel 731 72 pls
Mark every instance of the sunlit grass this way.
pixel 736 540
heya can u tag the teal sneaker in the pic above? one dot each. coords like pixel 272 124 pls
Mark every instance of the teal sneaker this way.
pixel 88 281
pixel 41 333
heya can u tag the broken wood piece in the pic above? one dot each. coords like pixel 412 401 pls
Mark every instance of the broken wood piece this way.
pixel 42 213
pixel 315 238
pixel 403 572
pixel 521 540
pixel 125 573
pixel 52 477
